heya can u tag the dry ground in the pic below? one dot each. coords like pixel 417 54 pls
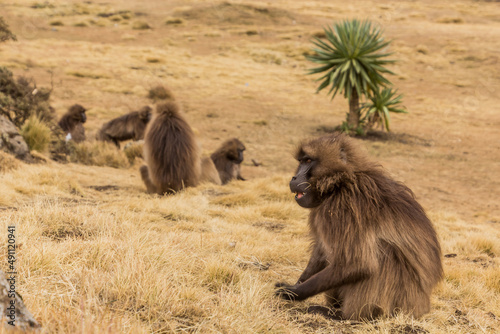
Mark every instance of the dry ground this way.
pixel 96 254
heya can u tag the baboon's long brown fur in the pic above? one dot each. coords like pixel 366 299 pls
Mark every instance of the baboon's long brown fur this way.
pixel 375 252
pixel 72 122
pixel 170 152
pixel 226 160
pixel 129 126
pixel 208 171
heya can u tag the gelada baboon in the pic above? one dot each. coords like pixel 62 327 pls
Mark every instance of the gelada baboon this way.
pixel 227 160
pixel 374 250
pixel 170 151
pixel 72 123
pixel 129 126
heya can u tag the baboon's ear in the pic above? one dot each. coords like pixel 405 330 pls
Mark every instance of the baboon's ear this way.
pixel 343 155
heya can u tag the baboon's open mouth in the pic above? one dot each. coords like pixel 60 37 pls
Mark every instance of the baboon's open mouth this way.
pixel 299 195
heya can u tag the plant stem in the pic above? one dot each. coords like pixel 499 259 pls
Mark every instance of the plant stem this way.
pixel 353 118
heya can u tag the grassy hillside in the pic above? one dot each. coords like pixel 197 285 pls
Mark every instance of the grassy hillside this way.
pixel 97 254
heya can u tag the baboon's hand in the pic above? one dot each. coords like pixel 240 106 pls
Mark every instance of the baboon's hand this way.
pixel 286 291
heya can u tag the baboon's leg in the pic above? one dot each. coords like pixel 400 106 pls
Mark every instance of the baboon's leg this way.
pixel 147 181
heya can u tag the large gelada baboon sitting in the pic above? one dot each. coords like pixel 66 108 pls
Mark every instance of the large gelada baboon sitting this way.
pixel 172 155
pixel 374 250
pixel 72 123
pixel 129 126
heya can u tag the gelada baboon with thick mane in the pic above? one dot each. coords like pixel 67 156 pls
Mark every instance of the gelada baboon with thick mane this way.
pixel 374 250
pixel 129 126
pixel 227 159
pixel 72 123
pixel 172 154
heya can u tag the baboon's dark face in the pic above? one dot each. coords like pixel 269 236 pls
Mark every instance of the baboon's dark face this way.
pixel 146 114
pixel 79 113
pixel 305 194
pixel 83 117
pixel 235 153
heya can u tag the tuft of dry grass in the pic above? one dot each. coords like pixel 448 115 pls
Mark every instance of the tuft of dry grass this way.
pixel 141 25
pixel 36 134
pixel 174 21
pixel 81 24
pixel 98 153
pixel 56 23
pixel 453 20
pixel 133 151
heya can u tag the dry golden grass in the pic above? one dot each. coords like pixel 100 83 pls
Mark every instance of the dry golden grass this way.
pixel 8 162
pixel 97 254
pixel 36 134
pixel 133 151
pixel 99 153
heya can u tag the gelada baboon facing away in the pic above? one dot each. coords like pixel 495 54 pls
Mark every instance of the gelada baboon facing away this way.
pixel 72 123
pixel 374 250
pixel 172 155
pixel 227 160
pixel 129 126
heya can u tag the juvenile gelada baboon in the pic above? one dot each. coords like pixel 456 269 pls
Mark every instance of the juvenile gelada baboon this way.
pixel 72 123
pixel 129 126
pixel 374 250
pixel 227 160
pixel 172 155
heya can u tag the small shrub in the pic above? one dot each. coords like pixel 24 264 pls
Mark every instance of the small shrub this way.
pixel 56 23
pixel 379 105
pixel 319 34
pixel 453 20
pixel 20 99
pixel 153 60
pixel 174 20
pixel 36 134
pixel 262 122
pixel 42 5
pixel 98 153
pixel 126 15
pixel 83 73
pixel 81 24
pixel 160 93
pixel 115 18
pixel 140 25
pixel 5 33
